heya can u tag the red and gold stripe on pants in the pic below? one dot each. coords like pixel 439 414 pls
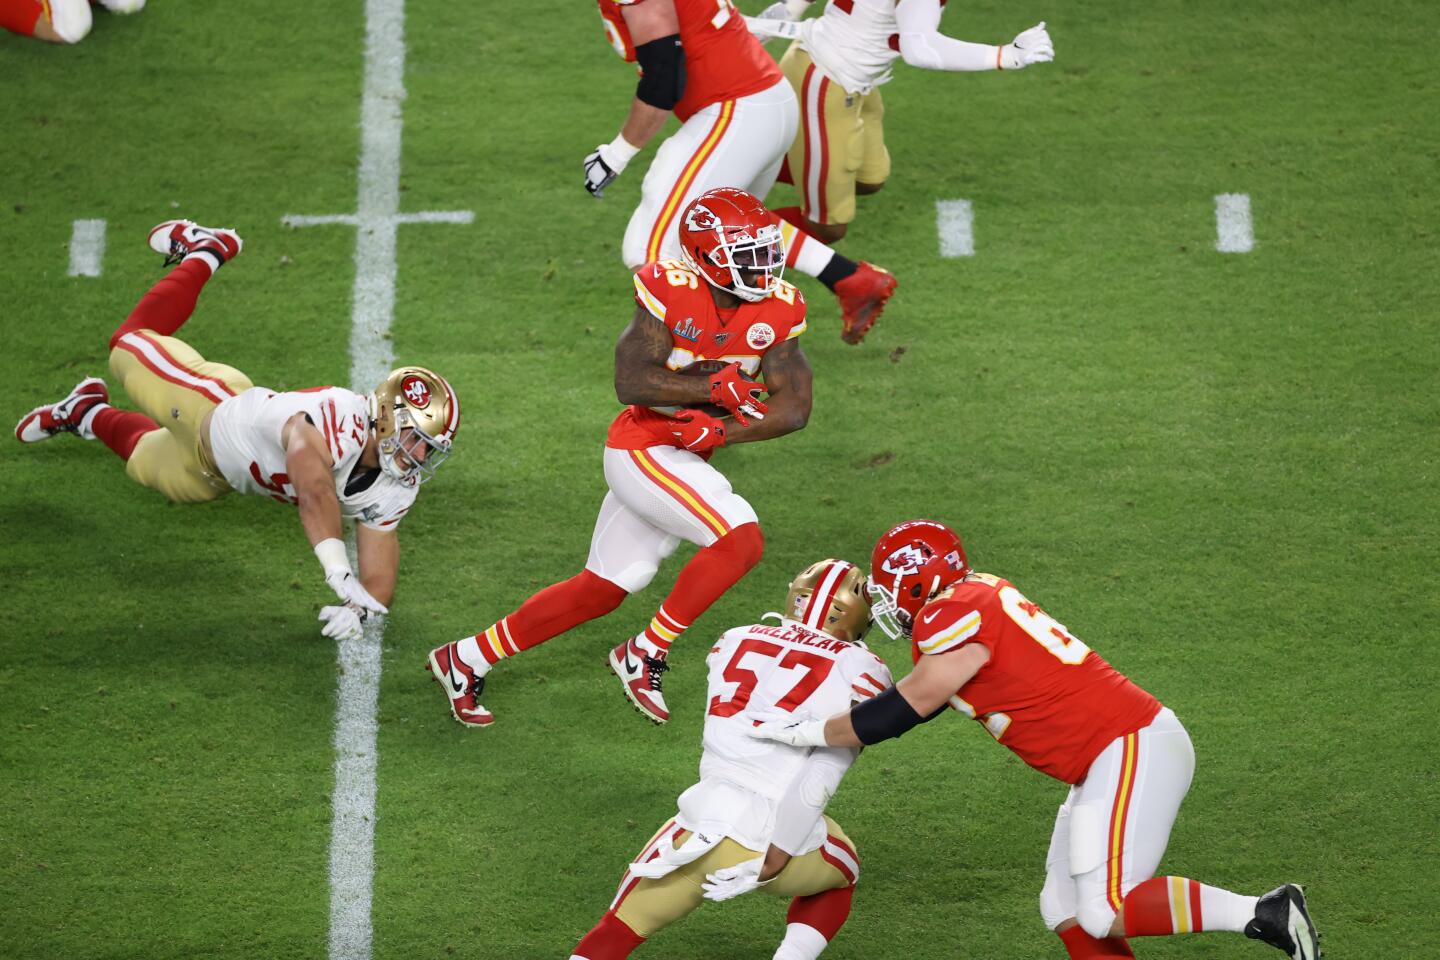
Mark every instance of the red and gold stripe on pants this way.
pixel 681 492
pixel 1119 814
pixel 687 176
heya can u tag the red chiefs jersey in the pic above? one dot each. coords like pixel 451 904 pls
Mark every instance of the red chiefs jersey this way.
pixel 723 60
pixel 680 298
pixel 1044 694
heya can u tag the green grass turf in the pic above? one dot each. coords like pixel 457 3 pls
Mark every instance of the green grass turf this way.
pixel 1220 471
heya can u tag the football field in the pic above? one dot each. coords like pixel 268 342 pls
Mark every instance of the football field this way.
pixel 1165 352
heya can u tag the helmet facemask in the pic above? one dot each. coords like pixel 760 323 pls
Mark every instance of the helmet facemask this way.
pixel 408 439
pixel 728 237
pixel 415 415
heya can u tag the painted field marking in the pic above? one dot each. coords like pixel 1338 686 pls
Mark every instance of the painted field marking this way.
pixel 377 217
pixel 87 247
pixel 955 220
pixel 1234 232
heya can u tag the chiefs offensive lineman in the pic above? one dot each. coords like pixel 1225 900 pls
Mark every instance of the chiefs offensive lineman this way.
pixel 723 308
pixel 738 117
pixel 205 431
pixel 837 64
pixel 980 646
pixel 808 665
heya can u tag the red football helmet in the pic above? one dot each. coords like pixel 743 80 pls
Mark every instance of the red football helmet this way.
pixel 728 237
pixel 910 564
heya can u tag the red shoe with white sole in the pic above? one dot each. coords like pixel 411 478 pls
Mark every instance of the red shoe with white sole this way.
pixel 640 674
pixel 461 685
pixel 64 416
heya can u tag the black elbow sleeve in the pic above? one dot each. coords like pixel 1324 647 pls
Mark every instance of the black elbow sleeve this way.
pixel 884 717
pixel 662 72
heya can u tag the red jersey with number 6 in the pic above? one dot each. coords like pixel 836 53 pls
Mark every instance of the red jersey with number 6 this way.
pixel 723 60
pixel 699 330
pixel 1044 694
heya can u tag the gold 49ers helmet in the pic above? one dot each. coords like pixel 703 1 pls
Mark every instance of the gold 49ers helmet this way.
pixel 415 415
pixel 830 596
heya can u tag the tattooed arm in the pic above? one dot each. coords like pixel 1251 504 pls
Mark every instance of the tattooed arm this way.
pixel 640 372
pixel 787 381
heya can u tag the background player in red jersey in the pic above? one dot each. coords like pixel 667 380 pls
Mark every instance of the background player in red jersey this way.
pixel 982 647
pixel 738 117
pixel 723 301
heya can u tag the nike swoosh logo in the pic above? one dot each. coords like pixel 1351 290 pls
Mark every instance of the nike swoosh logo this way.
pixel 698 440
pixel 629 667
pixel 933 614
pixel 457 682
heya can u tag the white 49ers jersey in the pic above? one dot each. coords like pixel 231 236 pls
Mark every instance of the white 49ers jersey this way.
pixel 245 434
pixel 851 42
pixel 769 672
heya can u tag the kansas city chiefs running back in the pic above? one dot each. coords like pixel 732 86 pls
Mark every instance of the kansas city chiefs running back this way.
pixel 983 648
pixel 722 304
pixel 203 430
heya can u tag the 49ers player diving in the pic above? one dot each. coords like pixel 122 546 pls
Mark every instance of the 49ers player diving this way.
pixel 980 646
pixel 721 311
pixel 205 431
pixel 738 117
pixel 808 665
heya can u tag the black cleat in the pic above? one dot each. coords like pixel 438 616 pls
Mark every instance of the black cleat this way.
pixel 1282 921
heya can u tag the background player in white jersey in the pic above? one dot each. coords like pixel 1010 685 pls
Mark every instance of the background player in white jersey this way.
pixel 991 654
pixel 808 664
pixel 837 63
pixel 205 430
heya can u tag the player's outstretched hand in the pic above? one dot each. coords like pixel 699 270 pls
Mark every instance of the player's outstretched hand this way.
pixel 731 389
pixel 348 588
pixel 697 431
pixel 601 169
pixel 343 622
pixel 730 882
pixel 1031 46
pixel 797 733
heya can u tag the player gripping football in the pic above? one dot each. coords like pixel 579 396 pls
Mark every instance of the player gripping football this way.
pixel 988 652
pixel 723 304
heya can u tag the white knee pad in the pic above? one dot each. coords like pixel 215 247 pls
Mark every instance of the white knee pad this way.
pixel 1057 900
pixel 70 19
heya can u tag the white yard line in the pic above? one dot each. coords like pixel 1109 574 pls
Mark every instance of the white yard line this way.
pixel 1234 232
pixel 955 220
pixel 377 219
pixel 87 247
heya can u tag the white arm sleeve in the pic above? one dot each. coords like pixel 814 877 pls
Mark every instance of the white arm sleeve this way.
pixel 808 794
pixel 923 45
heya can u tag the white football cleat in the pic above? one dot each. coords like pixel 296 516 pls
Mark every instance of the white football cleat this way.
pixel 177 239
pixel 640 674
pixel 65 416
pixel 123 6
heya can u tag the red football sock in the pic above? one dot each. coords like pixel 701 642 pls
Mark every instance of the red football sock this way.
pixel 169 303
pixel 549 613
pixel 826 912
pixel 120 430
pixel 1081 946
pixel 1164 905
pixel 609 939
pixel 709 574
pixel 20 16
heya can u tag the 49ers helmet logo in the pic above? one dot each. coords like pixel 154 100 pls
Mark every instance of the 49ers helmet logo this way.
pixel 417 392
pixel 907 559
pixel 701 217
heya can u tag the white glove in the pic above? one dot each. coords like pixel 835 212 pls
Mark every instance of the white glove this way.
pixel 671 858
pixel 731 882
pixel 348 588
pixel 607 162
pixel 797 733
pixel 765 29
pixel 784 10
pixel 1031 46
pixel 344 622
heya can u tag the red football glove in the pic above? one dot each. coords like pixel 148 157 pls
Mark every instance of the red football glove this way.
pixel 697 431
pixel 737 393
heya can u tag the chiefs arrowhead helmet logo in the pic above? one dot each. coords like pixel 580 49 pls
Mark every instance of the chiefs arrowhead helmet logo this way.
pixel 701 217
pixel 907 559
pixel 417 392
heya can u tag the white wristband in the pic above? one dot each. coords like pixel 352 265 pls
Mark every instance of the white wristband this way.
pixel 331 554
pixel 622 150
